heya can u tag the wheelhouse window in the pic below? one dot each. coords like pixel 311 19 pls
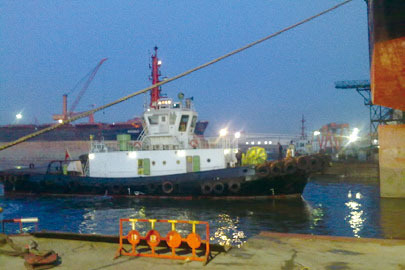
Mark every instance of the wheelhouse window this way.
pixel 183 123
pixel 193 122
pixel 153 120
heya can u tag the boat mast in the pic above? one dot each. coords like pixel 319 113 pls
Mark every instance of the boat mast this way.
pixel 155 92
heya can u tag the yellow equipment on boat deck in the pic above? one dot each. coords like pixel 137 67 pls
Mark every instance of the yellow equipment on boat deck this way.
pixel 254 156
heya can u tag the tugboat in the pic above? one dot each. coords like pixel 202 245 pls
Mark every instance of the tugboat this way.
pixel 169 160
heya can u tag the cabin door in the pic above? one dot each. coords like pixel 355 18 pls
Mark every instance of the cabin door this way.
pixel 193 163
pixel 189 163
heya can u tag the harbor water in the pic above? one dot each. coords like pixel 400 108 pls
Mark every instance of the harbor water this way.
pixel 335 207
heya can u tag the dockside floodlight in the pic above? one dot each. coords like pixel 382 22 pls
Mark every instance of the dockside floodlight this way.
pixel 354 136
pixel 18 116
pixel 223 132
pixel 316 133
pixel 237 135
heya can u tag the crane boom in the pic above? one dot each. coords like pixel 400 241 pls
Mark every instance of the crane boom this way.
pixel 86 85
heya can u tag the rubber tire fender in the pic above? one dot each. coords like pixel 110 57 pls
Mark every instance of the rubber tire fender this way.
pixel 234 187
pixel 206 188
pixel 167 187
pixel 263 170
pixel 221 187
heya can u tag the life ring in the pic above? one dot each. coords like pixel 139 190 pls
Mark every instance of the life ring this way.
pixel 290 166
pixel 206 188
pixel 234 186
pixel 167 187
pixel 218 188
pixel 277 168
pixel 137 145
pixel 194 143
pixel 263 170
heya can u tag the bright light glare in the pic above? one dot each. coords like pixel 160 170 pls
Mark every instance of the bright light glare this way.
pixel 223 132
pixel 181 153
pixel 227 151
pixel 237 135
pixel 91 156
pixel 316 133
pixel 60 121
pixel 354 136
pixel 132 154
pixel 18 116
pixel 159 62
pixel 270 142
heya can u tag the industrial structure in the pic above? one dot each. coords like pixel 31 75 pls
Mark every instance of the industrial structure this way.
pixel 379 115
pixel 67 114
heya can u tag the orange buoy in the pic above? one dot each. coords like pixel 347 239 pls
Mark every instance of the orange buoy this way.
pixel 134 237
pixel 193 240
pixel 153 238
pixel 173 239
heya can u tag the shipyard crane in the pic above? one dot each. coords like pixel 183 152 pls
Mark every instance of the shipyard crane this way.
pixel 331 136
pixel 67 114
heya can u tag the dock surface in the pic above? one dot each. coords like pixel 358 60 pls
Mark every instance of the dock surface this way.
pixel 266 251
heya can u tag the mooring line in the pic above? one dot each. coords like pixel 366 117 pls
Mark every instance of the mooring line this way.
pixel 82 115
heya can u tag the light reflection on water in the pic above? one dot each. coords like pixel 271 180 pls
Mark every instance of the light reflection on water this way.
pixel 328 208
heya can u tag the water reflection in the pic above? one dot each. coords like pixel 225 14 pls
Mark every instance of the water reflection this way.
pixel 231 222
pixel 330 208
pixel 228 232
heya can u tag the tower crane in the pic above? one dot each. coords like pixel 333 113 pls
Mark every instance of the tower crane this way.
pixel 65 113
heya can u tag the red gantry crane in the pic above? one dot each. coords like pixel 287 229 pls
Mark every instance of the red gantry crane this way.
pixel 65 113
pixel 331 136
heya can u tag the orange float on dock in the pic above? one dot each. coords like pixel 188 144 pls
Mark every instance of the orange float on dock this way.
pixel 173 240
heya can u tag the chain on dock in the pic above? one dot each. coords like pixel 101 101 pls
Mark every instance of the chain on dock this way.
pixel 85 114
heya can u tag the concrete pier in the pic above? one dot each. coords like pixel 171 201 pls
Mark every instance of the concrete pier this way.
pixel 392 160
pixel 266 251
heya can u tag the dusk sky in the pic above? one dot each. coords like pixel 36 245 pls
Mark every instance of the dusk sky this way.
pixel 46 47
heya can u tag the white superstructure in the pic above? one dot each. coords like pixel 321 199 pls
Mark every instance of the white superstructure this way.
pixel 167 145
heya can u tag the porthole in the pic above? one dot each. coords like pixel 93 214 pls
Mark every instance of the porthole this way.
pixel 208 160
pixel 178 161
pixel 153 163
pixel 164 162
